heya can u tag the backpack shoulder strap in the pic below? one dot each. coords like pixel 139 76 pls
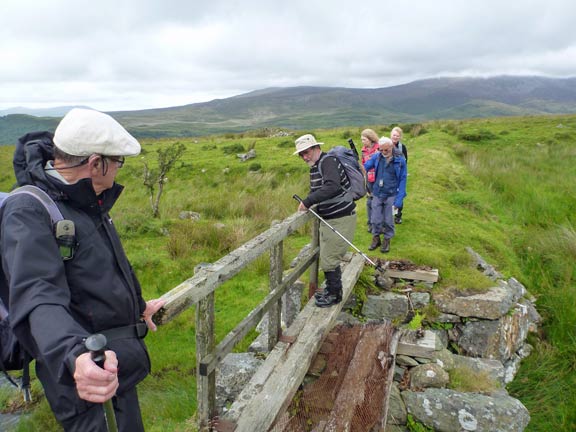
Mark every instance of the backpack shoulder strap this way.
pixel 55 216
pixel 320 166
pixel 347 193
pixel 42 197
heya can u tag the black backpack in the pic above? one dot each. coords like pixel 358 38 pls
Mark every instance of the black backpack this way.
pixel 12 355
pixel 349 160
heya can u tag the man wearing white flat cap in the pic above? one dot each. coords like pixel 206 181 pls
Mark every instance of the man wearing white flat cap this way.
pixel 57 301
pixel 328 186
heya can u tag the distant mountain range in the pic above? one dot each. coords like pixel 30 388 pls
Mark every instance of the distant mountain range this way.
pixel 39 112
pixel 305 108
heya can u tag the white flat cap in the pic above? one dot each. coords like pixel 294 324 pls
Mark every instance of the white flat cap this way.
pixel 83 132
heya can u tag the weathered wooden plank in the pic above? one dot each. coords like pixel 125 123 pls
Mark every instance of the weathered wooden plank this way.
pixel 390 379
pixel 208 279
pixel 205 385
pixel 272 360
pixel 275 280
pixel 313 281
pixel 256 412
pixel 420 275
pixel 416 345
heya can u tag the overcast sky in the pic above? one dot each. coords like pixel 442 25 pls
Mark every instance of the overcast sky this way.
pixel 137 54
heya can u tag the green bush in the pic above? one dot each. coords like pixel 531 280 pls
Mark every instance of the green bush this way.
pixel 417 130
pixel 475 136
pixel 233 149
pixel 451 128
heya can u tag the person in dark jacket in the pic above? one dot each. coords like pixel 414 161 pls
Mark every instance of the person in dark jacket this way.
pixel 328 186
pixel 388 192
pixel 56 303
pixel 400 149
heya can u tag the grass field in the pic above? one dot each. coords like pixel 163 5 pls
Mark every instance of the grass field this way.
pixel 505 187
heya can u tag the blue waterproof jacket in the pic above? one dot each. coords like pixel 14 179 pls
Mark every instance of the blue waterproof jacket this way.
pixel 401 174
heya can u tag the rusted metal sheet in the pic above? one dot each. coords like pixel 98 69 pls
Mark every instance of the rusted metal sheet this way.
pixel 351 392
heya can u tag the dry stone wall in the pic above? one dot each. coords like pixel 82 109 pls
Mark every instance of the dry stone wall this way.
pixel 450 377
pixel 478 339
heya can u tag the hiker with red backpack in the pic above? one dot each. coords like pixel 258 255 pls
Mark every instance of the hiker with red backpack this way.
pixel 59 299
pixel 369 147
pixel 388 192
pixel 329 191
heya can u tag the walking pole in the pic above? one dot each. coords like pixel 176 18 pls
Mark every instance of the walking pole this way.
pixel 378 267
pixel 96 344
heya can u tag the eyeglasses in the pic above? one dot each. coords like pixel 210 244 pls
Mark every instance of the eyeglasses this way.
pixel 119 160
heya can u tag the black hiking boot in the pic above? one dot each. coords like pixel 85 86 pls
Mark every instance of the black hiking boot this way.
pixel 333 293
pixel 385 246
pixel 320 293
pixel 398 220
pixel 328 300
pixel 375 242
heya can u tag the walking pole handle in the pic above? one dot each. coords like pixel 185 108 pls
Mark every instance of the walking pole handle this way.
pixel 96 344
pixel 297 198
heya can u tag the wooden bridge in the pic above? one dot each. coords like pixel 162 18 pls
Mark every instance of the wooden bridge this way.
pixel 290 352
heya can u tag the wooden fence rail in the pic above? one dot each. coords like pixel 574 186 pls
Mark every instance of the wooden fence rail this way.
pixel 199 291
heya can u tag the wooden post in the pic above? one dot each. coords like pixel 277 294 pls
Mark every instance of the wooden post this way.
pixel 313 284
pixel 274 314
pixel 205 385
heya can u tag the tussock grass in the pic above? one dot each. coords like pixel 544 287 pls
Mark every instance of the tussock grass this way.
pixel 464 380
pixel 509 193
pixel 532 182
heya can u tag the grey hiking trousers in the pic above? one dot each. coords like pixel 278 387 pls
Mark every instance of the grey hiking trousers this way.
pixel 332 247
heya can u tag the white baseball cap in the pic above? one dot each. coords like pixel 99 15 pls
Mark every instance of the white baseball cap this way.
pixel 304 142
pixel 83 132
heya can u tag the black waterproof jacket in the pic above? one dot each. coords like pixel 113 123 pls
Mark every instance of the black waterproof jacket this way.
pixel 55 304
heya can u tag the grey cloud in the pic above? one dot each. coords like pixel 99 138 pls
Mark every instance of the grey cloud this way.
pixel 123 52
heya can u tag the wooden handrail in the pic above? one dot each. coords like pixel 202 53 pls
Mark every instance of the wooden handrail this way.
pixel 225 347
pixel 208 279
pixel 199 291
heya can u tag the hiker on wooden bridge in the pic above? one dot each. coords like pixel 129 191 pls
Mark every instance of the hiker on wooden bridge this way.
pixel 328 190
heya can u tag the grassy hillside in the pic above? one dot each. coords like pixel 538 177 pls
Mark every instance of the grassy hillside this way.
pixel 505 187
pixel 14 126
